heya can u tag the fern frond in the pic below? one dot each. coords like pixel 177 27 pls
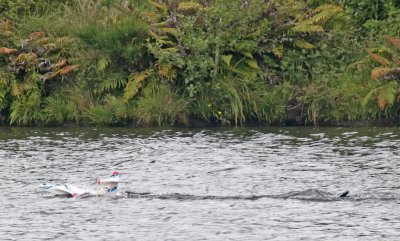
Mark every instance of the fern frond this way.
pixel 165 42
pixel 278 51
pixel 16 89
pixel 43 41
pixel 324 13
pixel 171 31
pixel 303 44
pixel 387 95
pixel 189 7
pixel 378 58
pixel 379 72
pixel 134 84
pixel 61 63
pixel 153 34
pixel 394 41
pixel 361 65
pixel 150 17
pixel 329 8
pixel 252 63
pixel 48 75
pixel 170 50
pixel 167 71
pixel 36 35
pixel 4 80
pixel 26 58
pixel 382 102
pixel 255 34
pixel 227 59
pixel 63 42
pixel 162 24
pixel 103 63
pixel 67 69
pixel 248 54
pixel 160 6
pixel 50 46
pixel 307 28
pixel 111 83
pixel 7 51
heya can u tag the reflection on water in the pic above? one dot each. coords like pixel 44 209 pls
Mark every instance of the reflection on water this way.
pixel 194 184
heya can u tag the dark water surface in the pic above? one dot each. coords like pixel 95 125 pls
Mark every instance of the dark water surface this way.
pixel 193 184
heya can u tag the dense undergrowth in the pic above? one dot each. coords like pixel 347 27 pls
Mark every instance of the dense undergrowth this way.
pixel 223 62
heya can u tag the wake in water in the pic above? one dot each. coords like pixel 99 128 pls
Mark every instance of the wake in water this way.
pixel 313 195
pixel 309 194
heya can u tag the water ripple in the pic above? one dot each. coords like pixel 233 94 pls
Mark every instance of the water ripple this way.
pixel 211 184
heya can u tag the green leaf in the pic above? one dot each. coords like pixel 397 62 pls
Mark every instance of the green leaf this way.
pixel 134 84
pixel 303 44
pixel 103 63
pixel 252 63
pixel 227 59
pixel 307 28
pixel 247 54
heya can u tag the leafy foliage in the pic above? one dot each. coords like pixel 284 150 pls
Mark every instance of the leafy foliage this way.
pixel 227 62
pixel 387 73
pixel 32 67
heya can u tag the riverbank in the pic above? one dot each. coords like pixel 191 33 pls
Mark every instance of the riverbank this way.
pixel 196 123
pixel 198 63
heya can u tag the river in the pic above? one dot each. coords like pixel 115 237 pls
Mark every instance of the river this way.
pixel 277 183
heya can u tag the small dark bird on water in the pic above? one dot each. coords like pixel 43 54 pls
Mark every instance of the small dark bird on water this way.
pixel 344 194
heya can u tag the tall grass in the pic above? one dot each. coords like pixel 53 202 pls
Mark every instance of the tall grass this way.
pixel 25 109
pixel 161 106
pixel 237 100
pixel 58 108
pixel 112 112
pixel 81 98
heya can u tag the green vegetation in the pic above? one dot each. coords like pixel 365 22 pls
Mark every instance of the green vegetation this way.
pixel 220 62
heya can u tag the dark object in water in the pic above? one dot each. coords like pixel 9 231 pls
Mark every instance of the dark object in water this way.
pixel 344 194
